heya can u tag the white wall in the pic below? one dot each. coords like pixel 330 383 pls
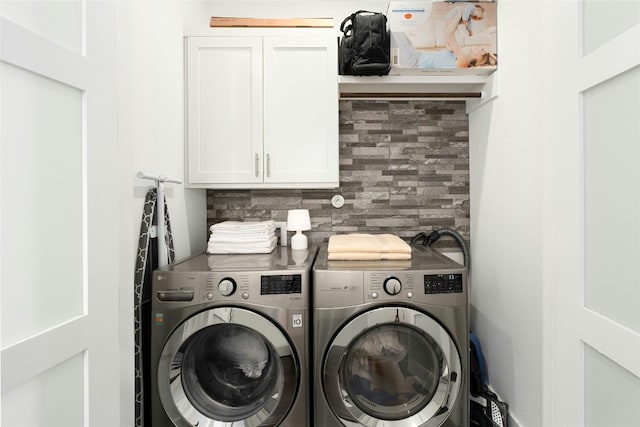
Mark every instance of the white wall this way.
pixel 151 140
pixel 505 143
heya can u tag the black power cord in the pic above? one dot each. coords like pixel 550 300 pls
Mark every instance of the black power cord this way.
pixel 428 240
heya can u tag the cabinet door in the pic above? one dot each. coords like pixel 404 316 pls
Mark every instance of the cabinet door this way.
pixel 224 110
pixel 301 111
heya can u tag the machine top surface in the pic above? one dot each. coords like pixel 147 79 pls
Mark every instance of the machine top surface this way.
pixel 427 278
pixel 278 279
pixel 281 258
pixel 422 258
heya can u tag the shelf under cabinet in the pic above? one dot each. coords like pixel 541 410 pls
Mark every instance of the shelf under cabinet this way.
pixel 431 86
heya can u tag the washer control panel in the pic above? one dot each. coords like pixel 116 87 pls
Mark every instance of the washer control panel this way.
pixel 227 286
pixel 278 289
pixel 278 279
pixel 180 295
pixel 278 284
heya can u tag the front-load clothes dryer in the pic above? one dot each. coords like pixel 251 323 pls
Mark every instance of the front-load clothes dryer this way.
pixel 391 342
pixel 229 340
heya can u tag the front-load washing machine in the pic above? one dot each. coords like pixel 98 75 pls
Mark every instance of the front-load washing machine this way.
pixel 229 340
pixel 391 342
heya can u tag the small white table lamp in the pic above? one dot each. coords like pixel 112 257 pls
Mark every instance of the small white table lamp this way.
pixel 298 220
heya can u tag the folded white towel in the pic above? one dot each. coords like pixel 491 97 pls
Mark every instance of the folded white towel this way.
pixel 361 243
pixel 244 233
pixel 244 227
pixel 222 237
pixel 243 248
pixel 224 261
pixel 242 237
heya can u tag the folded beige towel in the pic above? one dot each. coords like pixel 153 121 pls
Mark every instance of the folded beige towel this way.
pixel 361 243
pixel 383 264
pixel 367 256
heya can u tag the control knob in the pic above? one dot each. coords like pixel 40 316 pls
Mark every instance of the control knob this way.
pixel 392 286
pixel 227 287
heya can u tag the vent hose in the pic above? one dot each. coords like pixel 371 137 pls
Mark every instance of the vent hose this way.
pixel 428 240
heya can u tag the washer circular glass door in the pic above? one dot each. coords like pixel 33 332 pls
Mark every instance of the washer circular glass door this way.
pixel 392 366
pixel 227 365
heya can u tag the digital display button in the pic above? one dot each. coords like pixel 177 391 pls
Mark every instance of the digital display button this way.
pixel 442 283
pixel 280 284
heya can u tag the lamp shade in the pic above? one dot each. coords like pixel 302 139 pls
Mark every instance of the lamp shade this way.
pixel 298 220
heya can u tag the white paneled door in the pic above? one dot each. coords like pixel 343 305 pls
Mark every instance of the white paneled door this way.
pixel 59 204
pixel 592 211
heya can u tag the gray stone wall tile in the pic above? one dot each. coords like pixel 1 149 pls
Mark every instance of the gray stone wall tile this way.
pixel 404 168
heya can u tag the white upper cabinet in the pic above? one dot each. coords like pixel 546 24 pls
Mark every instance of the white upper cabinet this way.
pixel 224 109
pixel 262 108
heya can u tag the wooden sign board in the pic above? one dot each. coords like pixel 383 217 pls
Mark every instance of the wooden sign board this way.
pixel 219 21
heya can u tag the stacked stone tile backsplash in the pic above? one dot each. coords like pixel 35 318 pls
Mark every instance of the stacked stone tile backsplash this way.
pixel 404 168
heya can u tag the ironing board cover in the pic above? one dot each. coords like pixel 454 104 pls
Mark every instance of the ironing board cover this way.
pixel 142 266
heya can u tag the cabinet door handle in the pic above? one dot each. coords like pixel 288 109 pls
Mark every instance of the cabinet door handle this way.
pixel 257 165
pixel 268 165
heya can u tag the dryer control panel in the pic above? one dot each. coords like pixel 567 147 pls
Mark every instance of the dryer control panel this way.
pixel 432 287
pixel 442 283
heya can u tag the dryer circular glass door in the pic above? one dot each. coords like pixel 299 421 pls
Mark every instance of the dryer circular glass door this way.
pixel 227 365
pixel 392 366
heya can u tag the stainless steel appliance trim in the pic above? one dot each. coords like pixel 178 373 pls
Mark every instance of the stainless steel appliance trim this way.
pixel 170 388
pixel 448 389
